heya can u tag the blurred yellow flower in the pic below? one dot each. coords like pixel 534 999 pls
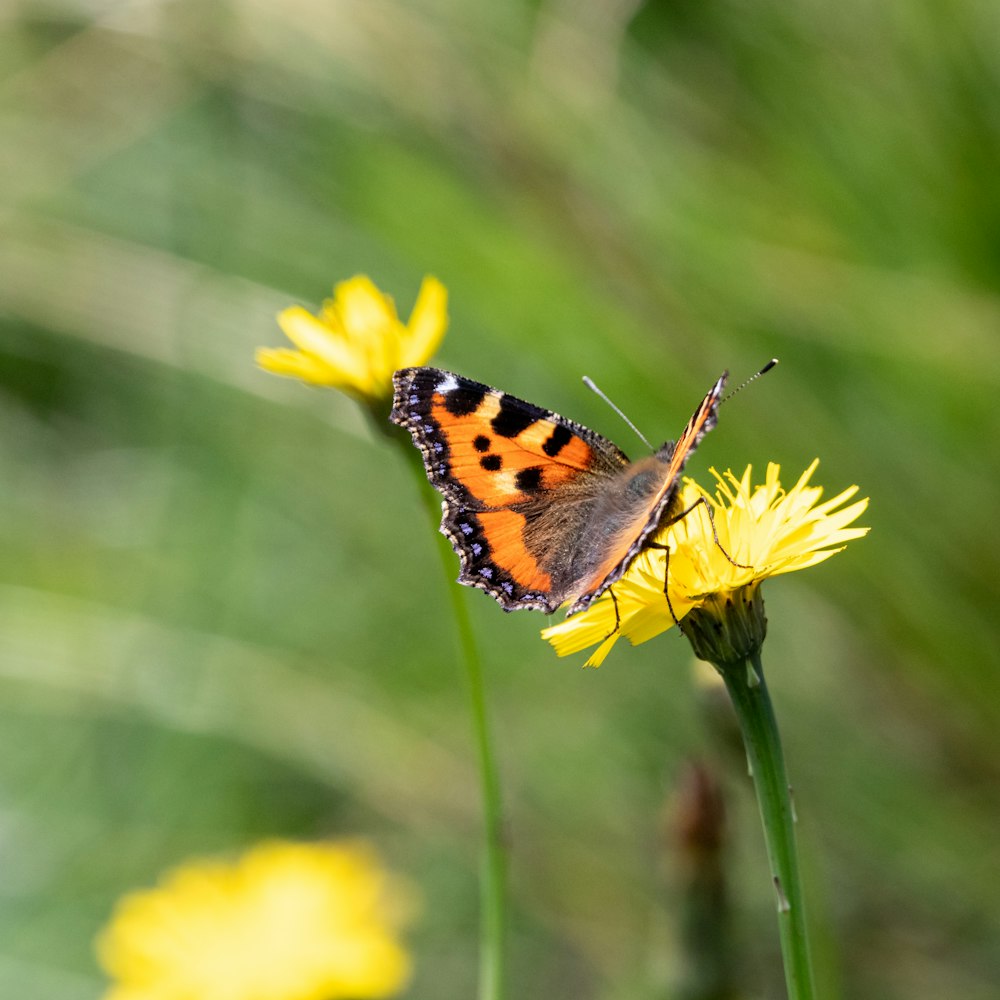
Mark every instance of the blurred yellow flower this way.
pixel 286 921
pixel 357 341
pixel 765 529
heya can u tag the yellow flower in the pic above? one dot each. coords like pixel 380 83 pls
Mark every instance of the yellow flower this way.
pixel 357 341
pixel 286 921
pixel 765 531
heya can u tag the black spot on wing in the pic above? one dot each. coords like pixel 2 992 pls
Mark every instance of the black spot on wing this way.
pixel 481 443
pixel 529 480
pixel 557 440
pixel 491 463
pixel 465 531
pixel 516 416
pixel 464 400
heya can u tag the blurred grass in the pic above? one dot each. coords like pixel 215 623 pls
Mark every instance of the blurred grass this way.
pixel 212 630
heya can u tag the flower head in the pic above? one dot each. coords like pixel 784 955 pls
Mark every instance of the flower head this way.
pixel 286 921
pixel 357 341
pixel 762 531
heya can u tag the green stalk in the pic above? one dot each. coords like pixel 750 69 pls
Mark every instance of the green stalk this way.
pixel 493 920
pixel 745 682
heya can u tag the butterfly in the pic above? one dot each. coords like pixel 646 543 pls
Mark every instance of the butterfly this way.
pixel 540 509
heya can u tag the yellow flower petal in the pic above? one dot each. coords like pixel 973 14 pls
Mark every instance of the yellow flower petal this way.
pixel 364 312
pixel 427 326
pixel 762 531
pixel 357 341
pixel 372 326
pixel 285 922
pixel 328 348
pixel 295 364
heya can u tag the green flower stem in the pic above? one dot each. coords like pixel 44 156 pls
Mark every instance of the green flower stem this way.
pixel 494 873
pixel 745 682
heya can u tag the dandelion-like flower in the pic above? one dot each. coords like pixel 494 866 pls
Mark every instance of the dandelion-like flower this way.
pixel 286 921
pixel 357 340
pixel 762 531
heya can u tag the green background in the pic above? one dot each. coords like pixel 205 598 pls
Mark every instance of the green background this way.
pixel 221 616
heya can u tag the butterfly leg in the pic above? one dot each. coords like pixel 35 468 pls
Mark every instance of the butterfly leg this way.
pixel 666 552
pixel 618 617
pixel 711 521
pixel 665 549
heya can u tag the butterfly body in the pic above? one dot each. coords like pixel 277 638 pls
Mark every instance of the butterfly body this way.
pixel 540 509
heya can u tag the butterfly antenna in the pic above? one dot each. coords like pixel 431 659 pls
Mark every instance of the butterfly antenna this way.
pixel 589 383
pixel 753 378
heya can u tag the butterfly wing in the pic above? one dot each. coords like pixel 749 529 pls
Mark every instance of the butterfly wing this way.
pixel 505 469
pixel 642 498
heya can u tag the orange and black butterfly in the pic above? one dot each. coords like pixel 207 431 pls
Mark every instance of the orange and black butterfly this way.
pixel 541 510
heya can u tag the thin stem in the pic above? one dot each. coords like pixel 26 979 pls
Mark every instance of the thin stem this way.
pixel 748 691
pixel 494 863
